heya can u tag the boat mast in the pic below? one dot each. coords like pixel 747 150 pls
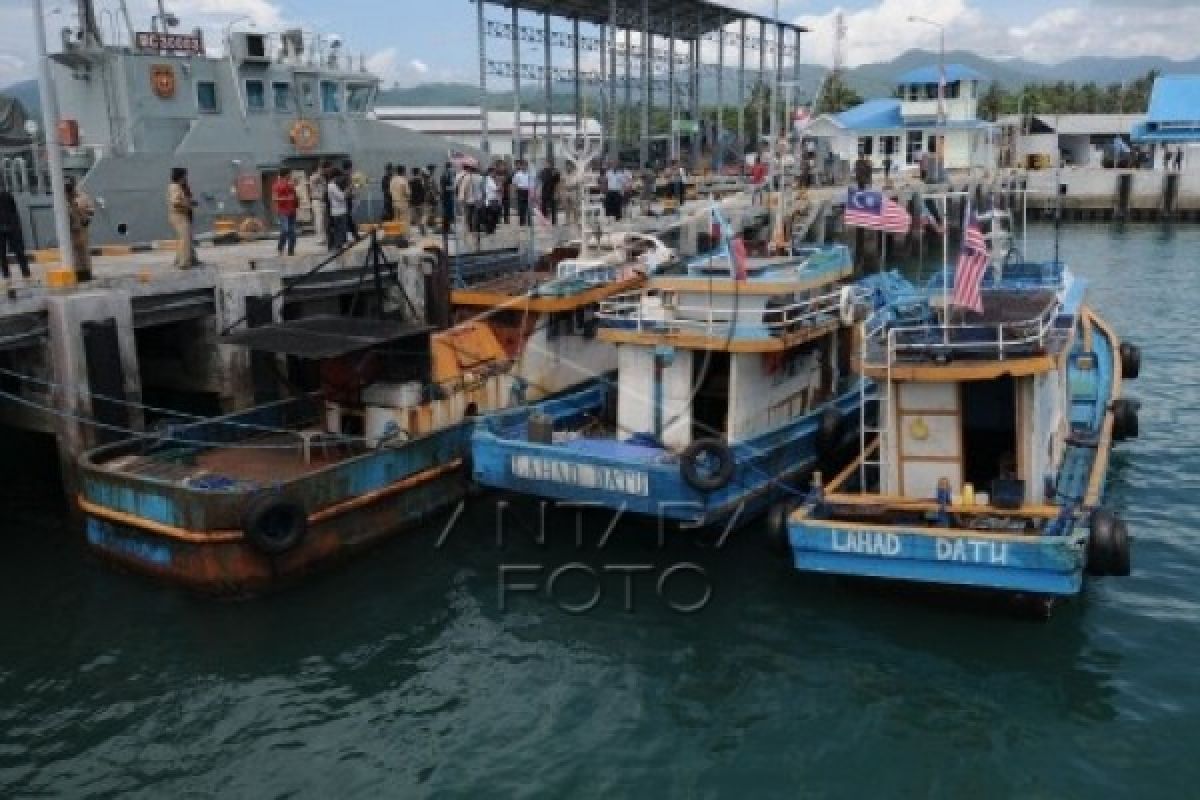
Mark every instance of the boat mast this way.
pixel 89 30
pixel 62 227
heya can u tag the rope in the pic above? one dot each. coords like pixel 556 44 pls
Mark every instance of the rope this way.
pixel 140 435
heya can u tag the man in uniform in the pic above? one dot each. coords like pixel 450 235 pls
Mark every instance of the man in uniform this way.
pixel 80 211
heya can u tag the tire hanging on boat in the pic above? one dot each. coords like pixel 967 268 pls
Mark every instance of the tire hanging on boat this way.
pixel 273 524
pixel 1125 419
pixel 777 528
pixel 1108 545
pixel 1131 361
pixel 707 465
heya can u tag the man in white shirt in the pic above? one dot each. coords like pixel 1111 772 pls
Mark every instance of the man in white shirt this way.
pixel 522 182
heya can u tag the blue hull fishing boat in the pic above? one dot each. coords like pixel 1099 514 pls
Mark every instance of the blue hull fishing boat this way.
pixel 985 465
pixel 733 383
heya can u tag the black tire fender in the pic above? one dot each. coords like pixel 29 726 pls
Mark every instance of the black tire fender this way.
pixel 777 528
pixel 700 478
pixel 1131 361
pixel 273 524
pixel 1126 424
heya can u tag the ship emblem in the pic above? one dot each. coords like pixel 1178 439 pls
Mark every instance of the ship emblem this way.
pixel 162 78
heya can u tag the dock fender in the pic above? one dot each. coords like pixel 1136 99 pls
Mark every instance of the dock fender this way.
pixel 1108 545
pixel 1125 419
pixel 777 528
pixel 273 524
pixel 707 465
pixel 1131 361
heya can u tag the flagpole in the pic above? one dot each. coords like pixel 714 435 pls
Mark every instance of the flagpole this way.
pixel 946 270
pixel 883 252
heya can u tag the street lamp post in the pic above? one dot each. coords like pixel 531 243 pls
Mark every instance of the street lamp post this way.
pixel 941 115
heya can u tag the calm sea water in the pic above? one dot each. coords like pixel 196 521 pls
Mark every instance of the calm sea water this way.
pixel 404 674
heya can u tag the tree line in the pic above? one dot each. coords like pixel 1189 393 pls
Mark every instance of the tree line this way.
pixel 1068 97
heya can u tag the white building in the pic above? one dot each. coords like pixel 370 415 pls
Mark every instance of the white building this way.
pixel 1076 140
pixel 463 125
pixel 906 127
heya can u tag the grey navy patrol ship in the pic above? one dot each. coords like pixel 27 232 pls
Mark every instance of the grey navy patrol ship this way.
pixel 143 102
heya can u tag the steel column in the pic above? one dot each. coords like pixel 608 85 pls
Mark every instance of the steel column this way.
pixel 696 96
pixel 742 91
pixel 672 101
pixel 762 80
pixel 647 89
pixel 720 91
pixel 578 80
pixel 628 87
pixel 516 57
pixel 549 60
pixel 777 95
pixel 612 79
pixel 484 142
pixel 796 70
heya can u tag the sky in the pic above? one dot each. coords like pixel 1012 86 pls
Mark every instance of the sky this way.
pixel 418 41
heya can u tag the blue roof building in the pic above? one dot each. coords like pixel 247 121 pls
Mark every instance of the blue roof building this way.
pixel 1174 115
pixel 906 127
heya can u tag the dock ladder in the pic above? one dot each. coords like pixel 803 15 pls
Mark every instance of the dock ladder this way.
pixel 875 433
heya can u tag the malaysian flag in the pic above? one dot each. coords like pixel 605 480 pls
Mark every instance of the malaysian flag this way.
pixel 972 266
pixel 870 209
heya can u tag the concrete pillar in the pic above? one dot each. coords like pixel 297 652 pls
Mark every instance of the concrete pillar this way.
pixel 647 81
pixel 72 397
pixel 485 142
pixel 233 368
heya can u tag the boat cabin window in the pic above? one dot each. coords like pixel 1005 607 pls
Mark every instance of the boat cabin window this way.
pixel 330 102
pixel 282 92
pixel 358 98
pixel 206 97
pixel 989 431
pixel 256 96
pixel 308 94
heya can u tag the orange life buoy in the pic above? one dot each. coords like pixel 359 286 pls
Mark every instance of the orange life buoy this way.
pixel 252 226
pixel 306 135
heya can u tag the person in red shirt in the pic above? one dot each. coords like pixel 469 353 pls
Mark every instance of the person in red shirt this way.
pixel 758 177
pixel 286 203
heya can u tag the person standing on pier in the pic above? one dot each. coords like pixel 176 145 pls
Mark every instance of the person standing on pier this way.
pixel 179 214
pixel 432 198
pixel 549 180
pixel 10 235
pixel 80 211
pixel 523 184
pixel 339 211
pixel 862 171
pixel 286 205
pixel 417 188
pixel 385 187
pixel 317 183
pixel 401 193
pixel 449 195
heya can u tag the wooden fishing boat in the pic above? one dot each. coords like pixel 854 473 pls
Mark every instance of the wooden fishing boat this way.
pixel 732 383
pixel 984 466
pixel 376 441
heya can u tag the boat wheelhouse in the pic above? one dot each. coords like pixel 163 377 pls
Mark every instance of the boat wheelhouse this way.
pixel 986 466
pixel 732 383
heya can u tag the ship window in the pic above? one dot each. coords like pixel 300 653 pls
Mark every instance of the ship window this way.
pixel 358 98
pixel 206 96
pixel 329 97
pixel 283 96
pixel 256 96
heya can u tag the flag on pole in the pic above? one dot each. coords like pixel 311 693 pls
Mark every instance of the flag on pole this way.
pixel 731 247
pixel 972 266
pixel 870 209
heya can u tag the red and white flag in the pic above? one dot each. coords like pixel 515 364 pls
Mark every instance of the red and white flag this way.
pixel 972 266
pixel 871 209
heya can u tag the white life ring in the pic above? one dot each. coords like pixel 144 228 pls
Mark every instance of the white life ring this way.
pixel 847 306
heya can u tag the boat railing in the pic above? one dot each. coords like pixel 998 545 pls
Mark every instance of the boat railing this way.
pixel 657 312
pixel 986 340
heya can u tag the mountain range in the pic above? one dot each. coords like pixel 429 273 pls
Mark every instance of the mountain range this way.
pixel 869 80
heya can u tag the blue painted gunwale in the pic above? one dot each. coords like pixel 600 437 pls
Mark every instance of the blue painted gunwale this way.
pixel 787 452
pixel 167 503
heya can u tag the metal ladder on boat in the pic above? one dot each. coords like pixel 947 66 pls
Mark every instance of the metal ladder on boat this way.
pixel 878 432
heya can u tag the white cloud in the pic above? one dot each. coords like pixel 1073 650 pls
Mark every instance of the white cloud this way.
pixel 419 66
pixel 1122 28
pixel 387 65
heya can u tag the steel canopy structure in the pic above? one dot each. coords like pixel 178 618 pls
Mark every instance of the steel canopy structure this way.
pixel 660 48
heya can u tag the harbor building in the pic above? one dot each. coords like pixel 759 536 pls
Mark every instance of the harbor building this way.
pixel 908 126
pixel 463 125
pixel 1039 141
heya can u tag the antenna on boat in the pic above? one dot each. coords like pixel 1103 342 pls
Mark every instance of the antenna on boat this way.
pixel 580 151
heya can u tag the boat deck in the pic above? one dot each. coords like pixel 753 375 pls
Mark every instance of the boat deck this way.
pixel 261 461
